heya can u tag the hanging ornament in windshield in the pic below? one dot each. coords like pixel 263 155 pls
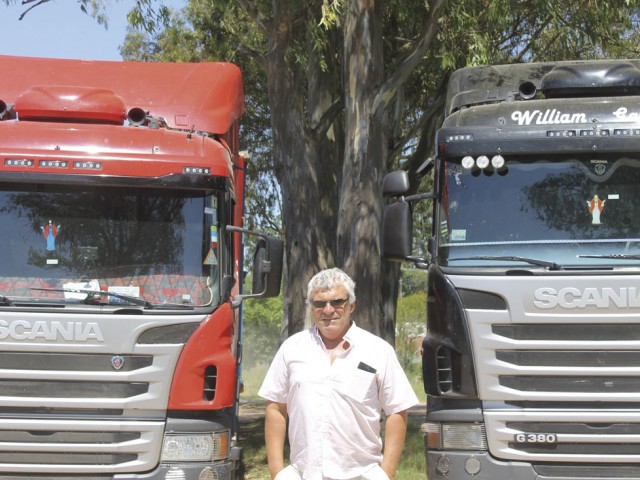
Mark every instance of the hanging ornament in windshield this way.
pixel 50 233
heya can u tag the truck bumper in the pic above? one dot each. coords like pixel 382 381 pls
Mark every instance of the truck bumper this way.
pixel 217 471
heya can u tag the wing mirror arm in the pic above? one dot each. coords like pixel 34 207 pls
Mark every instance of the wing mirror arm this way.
pixel 267 265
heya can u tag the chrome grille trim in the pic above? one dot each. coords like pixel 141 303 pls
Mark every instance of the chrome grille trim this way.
pixel 122 446
pixel 69 362
pixel 535 368
pixel 65 389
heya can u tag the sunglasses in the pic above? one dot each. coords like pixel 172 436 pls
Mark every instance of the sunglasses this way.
pixel 335 303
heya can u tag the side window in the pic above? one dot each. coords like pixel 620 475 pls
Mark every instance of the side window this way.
pixel 228 241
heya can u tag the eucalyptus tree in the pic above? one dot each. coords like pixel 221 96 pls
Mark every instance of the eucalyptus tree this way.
pixel 345 90
pixel 356 87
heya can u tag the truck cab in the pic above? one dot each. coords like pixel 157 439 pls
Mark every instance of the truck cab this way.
pixel 532 352
pixel 121 222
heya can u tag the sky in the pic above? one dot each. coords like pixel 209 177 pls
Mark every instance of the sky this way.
pixel 59 29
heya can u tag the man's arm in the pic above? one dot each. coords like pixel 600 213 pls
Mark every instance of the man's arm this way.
pixel 395 432
pixel 275 429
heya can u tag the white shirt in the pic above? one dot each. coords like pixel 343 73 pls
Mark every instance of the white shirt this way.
pixel 334 408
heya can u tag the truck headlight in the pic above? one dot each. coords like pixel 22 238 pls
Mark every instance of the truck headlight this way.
pixel 454 436
pixel 192 447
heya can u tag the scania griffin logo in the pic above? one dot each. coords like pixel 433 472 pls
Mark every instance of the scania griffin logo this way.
pixel 117 362
pixel 571 297
pixel 50 331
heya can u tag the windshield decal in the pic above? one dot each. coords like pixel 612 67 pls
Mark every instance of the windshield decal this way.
pixel 458 235
pixel 596 206
pixel 50 232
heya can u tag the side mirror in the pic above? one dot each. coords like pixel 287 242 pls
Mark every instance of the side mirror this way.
pixel 397 222
pixel 267 267
pixel 395 183
pixel 397 231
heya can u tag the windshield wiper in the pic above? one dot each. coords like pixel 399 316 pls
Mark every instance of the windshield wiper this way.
pixel 613 256
pixel 531 261
pixel 5 301
pixel 100 293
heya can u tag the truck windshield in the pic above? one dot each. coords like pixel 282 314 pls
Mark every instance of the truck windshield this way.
pixel 158 246
pixel 568 211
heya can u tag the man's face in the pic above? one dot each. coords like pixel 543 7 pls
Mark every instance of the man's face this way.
pixel 332 321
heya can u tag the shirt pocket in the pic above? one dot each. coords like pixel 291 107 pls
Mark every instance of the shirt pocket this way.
pixel 359 385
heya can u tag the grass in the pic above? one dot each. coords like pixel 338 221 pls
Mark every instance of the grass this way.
pixel 412 464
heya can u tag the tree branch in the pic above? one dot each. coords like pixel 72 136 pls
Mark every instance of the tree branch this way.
pixel 25 2
pixel 254 14
pixel 408 65
pixel 533 37
pixel 419 129
pixel 328 116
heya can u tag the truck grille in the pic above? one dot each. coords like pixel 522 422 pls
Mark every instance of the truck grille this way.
pixel 569 384
pixel 80 407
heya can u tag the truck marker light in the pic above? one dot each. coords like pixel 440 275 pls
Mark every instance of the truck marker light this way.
pixel 87 165
pixel 197 170
pixel 594 133
pixel 18 162
pixel 626 132
pixel 53 164
pixel 561 133
pixel 460 137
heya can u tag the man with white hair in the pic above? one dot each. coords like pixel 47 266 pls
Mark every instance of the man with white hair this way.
pixel 333 381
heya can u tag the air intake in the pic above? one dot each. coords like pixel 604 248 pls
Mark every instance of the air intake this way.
pixel 591 79
pixel 444 373
pixel 70 104
pixel 210 381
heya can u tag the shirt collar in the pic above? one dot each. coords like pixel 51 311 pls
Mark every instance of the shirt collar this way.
pixel 350 336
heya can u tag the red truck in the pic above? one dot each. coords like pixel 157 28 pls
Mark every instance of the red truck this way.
pixel 121 209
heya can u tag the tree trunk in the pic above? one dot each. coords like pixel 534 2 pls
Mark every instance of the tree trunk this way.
pixel 364 166
pixel 304 167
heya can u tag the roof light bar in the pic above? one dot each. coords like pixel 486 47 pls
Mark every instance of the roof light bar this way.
pixel 497 162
